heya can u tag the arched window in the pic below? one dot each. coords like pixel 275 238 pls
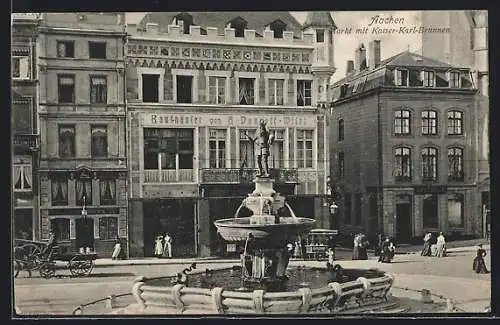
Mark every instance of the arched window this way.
pixel 402 164
pixel 455 164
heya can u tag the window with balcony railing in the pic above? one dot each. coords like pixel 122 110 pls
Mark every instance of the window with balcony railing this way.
pixel 217 148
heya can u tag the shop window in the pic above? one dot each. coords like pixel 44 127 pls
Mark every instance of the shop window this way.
pixel 98 90
pixel 66 89
pixel 429 123
pixel 99 143
pixel 275 88
pixel 97 50
pixel 455 164
pixel 23 179
pixel 107 189
pixel 217 90
pixel 59 186
pixel 184 89
pixel 430 211
pixel 304 95
pixel 108 228
pixel 65 49
pixel 429 164
pixel 402 122
pixel 402 164
pixel 305 148
pixel 455 122
pixel 150 88
pixel 246 91
pixel 60 227
pixel 456 210
pixel 217 148
pixel 66 141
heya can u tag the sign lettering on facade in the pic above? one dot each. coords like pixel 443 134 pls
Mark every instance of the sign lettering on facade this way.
pixel 226 120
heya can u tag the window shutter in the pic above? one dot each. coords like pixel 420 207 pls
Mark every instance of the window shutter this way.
pixel 24 67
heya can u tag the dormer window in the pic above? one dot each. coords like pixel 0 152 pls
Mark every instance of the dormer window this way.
pixel 428 78
pixel 183 20
pixel 454 79
pixel 277 26
pixel 239 24
pixel 401 77
pixel 320 36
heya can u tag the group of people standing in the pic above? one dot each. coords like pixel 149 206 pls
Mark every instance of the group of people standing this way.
pixel 434 246
pixel 385 248
pixel 163 246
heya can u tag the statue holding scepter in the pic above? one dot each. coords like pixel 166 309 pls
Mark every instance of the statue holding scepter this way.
pixel 263 141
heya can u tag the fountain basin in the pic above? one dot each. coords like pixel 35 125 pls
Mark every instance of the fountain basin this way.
pixel 237 229
pixel 369 292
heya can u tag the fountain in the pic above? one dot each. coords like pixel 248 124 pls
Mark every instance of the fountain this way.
pixel 263 282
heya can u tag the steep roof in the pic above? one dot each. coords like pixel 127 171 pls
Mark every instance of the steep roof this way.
pixel 256 19
pixel 319 19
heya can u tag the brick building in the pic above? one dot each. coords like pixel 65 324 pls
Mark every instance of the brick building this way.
pixel 195 84
pixel 83 173
pixel 403 138
pixel 24 126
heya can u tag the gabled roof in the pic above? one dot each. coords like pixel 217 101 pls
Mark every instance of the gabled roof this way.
pixel 319 19
pixel 256 19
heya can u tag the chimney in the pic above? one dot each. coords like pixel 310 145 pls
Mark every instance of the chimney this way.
pixel 152 27
pixel 374 54
pixel 350 67
pixel 360 58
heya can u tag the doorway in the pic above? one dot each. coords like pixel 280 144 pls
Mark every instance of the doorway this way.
pixel 84 228
pixel 403 219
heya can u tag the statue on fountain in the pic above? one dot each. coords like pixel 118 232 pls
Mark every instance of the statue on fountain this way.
pixel 262 142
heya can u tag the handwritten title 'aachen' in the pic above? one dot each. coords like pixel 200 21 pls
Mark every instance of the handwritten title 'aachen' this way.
pixel 381 25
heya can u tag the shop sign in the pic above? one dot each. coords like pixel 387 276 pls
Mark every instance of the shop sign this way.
pixel 226 120
pixel 430 189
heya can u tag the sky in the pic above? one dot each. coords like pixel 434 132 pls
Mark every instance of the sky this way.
pixel 345 44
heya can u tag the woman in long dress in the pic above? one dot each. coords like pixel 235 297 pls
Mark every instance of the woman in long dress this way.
pixel 426 251
pixel 362 247
pixel 388 251
pixel 440 246
pixel 159 246
pixel 355 249
pixel 167 248
pixel 117 249
pixel 479 266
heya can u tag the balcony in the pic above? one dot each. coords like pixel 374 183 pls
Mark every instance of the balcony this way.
pixel 27 141
pixel 237 175
pixel 169 176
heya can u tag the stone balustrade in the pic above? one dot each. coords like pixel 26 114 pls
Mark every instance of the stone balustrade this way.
pixel 180 299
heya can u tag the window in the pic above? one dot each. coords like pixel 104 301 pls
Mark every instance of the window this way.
pixel 97 50
pixel 150 88
pixel 275 91
pixel 217 90
pixel 247 149
pixel 402 123
pixel 246 95
pixel 184 89
pixel 20 67
pixel 217 148
pixel 66 87
pixel 455 164
pixel 277 156
pixel 23 179
pixel 341 130
pixel 456 210
pixel 65 49
pixel 340 165
pixel 60 227
pixel 430 211
pixel 98 89
pixel 66 141
pixel 320 36
pixel 454 79
pixel 304 148
pixel 429 78
pixel 108 228
pixel 304 95
pixel 59 186
pixel 429 123
pixel 429 164
pixel 83 191
pixel 401 77
pixel 455 122
pixel 402 164
pixel 168 148
pixel 99 143
pixel 107 189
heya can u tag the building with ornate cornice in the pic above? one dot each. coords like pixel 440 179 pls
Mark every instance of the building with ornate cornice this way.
pixel 83 166
pixel 404 147
pixel 196 83
pixel 24 126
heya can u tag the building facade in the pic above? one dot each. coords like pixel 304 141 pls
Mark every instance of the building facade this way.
pixel 24 124
pixel 194 93
pixel 83 171
pixel 404 139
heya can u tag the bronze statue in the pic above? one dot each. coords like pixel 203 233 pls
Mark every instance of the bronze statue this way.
pixel 265 139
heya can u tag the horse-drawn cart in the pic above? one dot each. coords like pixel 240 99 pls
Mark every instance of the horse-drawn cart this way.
pixel 79 264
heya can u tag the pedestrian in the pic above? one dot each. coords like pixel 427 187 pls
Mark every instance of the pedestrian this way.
pixel 297 252
pixel 356 246
pixel 117 248
pixel 380 240
pixel 426 251
pixel 388 251
pixel 159 246
pixel 331 256
pixel 440 246
pixel 248 252
pixel 362 248
pixel 167 248
pixel 478 265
